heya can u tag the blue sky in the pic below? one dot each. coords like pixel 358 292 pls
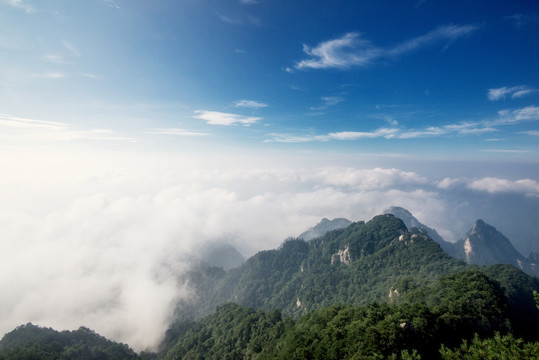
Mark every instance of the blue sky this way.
pixel 415 78
pixel 134 131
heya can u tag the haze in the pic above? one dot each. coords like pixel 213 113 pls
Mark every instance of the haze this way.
pixel 132 133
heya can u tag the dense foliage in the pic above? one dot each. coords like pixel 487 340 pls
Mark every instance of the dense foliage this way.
pixel 30 342
pixel 498 347
pixel 377 256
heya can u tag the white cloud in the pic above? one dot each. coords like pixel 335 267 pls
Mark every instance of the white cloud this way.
pixel 520 20
pixel 508 151
pixel 112 4
pixel 239 19
pixel 92 76
pixel 496 185
pixel 72 49
pixel 56 59
pixel 352 50
pixel 446 32
pixel 508 117
pixel 48 75
pixel 344 52
pixel 7 120
pixel 20 129
pixel 465 128
pixel 530 133
pixel 387 133
pixel 250 104
pixel 447 183
pixel 327 102
pixel 526 114
pixel 20 4
pixel 221 118
pixel 365 179
pixel 97 239
pixel 177 132
pixel 515 92
pixel 354 135
pixel 106 257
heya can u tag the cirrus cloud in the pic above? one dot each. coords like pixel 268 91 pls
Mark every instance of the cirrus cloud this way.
pixel 515 92
pixel 352 50
pixel 222 118
pixel 250 104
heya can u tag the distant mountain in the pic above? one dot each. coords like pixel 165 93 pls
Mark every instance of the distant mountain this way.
pixel 220 255
pixel 533 261
pixel 411 222
pixel 484 245
pixel 323 227
pixel 33 342
pixel 364 262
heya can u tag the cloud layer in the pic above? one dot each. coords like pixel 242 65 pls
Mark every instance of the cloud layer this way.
pixel 352 50
pixel 102 247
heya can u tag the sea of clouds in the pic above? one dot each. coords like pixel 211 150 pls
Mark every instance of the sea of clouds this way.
pixel 99 242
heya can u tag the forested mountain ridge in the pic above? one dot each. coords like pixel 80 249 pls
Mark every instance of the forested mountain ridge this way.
pixel 361 263
pixel 429 324
pixel 411 222
pixel 366 263
pixel 31 342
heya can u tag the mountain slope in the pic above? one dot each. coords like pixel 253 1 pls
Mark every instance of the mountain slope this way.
pixel 453 308
pixel 362 263
pixel 411 222
pixel 482 245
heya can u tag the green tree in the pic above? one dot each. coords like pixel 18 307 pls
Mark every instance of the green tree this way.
pixel 498 347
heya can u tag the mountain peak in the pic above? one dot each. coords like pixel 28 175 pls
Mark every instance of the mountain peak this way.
pixel 480 224
pixel 323 227
pixel 405 215
pixel 411 222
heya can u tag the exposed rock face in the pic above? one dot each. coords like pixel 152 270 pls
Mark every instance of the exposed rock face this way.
pixel 409 238
pixel 393 294
pixel 323 227
pixel 468 251
pixel 342 256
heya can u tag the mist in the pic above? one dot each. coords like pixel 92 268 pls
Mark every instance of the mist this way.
pixel 100 241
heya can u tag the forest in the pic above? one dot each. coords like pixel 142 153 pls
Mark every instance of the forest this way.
pixel 373 290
